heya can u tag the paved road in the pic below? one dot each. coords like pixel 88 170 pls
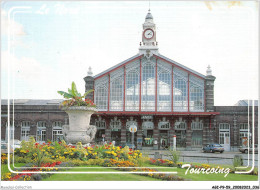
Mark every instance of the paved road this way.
pixel 210 158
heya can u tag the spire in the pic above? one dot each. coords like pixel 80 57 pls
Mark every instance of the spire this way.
pixel 149 16
pixel 209 71
pixel 90 73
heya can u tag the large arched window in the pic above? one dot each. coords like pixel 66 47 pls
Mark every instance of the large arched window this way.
pixel 148 87
pixel 132 87
pixel 101 93
pixel 180 91
pixel 164 88
pixel 196 94
pixel 116 90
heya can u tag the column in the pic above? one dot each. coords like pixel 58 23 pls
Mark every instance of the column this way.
pixel 172 131
pixel 123 131
pixel 3 129
pixel 205 138
pixel 156 134
pixel 108 130
pixel 209 93
pixel 188 134
pixel 139 133
pixel 214 132
pixel 235 133
pixel 33 129
pixel 89 85
pixel 17 131
pixel 49 131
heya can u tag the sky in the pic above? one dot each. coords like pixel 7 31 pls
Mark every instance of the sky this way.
pixel 47 45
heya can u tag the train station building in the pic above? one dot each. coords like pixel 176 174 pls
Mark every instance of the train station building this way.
pixel 160 96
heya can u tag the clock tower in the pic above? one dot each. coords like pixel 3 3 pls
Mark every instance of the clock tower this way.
pixel 148 46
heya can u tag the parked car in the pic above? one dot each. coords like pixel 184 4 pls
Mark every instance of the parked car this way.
pixel 130 145
pixel 213 148
pixel 4 148
pixel 245 149
pixel 13 145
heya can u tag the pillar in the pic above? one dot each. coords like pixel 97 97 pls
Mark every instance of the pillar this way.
pixel 172 131
pixel 205 138
pixel 209 92
pixel 188 134
pixel 89 85
pixel 49 131
pixel 17 131
pixel 156 134
pixel 139 134
pixel 123 131
pixel 235 133
pixel 108 131
pixel 33 130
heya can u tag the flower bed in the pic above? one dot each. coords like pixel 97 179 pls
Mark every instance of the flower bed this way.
pixel 30 176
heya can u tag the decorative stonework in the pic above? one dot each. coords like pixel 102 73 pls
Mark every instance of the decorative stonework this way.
pixel 130 122
pixel 79 129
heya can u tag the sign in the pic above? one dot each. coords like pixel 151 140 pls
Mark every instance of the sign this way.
pixel 147 117
pixel 103 135
pixel 244 142
pixel 132 128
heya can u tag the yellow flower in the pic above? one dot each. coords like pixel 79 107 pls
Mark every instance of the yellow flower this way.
pixel 71 154
pixel 86 154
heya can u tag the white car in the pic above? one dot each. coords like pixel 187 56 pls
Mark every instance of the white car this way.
pixel 13 145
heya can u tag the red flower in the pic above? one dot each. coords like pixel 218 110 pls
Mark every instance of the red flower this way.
pixel 120 146
pixel 129 152
pixel 58 163
pixel 110 143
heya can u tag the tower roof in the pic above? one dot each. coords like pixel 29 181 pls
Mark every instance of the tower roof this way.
pixel 149 15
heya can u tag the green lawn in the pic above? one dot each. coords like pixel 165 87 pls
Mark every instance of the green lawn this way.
pixel 135 177
pixel 98 177
pixel 212 177
pixel 4 167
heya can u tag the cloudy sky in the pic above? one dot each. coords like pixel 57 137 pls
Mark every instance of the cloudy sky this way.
pixel 47 45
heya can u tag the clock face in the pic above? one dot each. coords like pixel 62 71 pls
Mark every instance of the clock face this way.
pixel 148 33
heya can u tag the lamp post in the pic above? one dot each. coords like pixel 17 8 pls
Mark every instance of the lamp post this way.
pixel 133 129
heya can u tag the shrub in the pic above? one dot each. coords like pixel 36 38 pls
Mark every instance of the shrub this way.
pixel 174 155
pixel 237 161
pixel 22 160
pixel 76 162
pixel 37 177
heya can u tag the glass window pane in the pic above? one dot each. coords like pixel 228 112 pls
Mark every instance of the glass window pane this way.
pixel 164 89
pixel 180 90
pixel 132 90
pixel 148 87
pixel 196 94
pixel 117 90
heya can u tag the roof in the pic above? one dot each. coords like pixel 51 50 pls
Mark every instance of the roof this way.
pixel 246 103
pixel 33 102
pixel 159 56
